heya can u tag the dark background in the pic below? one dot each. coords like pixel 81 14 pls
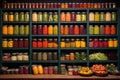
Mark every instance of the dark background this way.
pixel 80 1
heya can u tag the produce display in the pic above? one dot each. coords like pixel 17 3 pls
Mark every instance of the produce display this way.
pixel 98 56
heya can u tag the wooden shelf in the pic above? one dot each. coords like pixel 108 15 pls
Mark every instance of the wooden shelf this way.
pixel 31 76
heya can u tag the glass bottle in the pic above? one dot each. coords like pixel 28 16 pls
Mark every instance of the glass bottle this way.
pixel 26 29
pixel 113 16
pixel 55 43
pixel 55 30
pixel 10 29
pixel 34 16
pixel 73 16
pixel 115 43
pixel 11 17
pixel 67 45
pixel 45 30
pixel 83 43
pixel 40 43
pixel 110 43
pixel 82 29
pixel 34 43
pixel 39 55
pixel 34 55
pixel 95 43
pixel 44 56
pixel 62 16
pixel 62 29
pixel 55 56
pixel 62 43
pixel 66 30
pixel 78 43
pixel 34 29
pixel 107 30
pixel 21 44
pixel 113 29
pixel 50 43
pixel 50 30
pixel 4 30
pixel 4 43
pixel 102 29
pixel 91 43
pixel 102 16
pixel 76 30
pixel 40 29
pixel 72 43
pixel 10 43
pixel 49 55
pixel 108 16
pixel 71 29
pixel 26 43
pixel 45 43
pixel 15 43
pixel 67 16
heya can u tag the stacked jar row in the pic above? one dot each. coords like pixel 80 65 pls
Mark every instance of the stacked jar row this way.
pixel 45 29
pixel 39 69
pixel 45 55
pixel 21 70
pixel 102 29
pixel 15 29
pixel 73 43
pixel 74 56
pixel 72 29
pixel 45 43
pixel 45 16
pixel 16 56
pixel 16 16
pixel 102 16
pixel 103 43
pixel 15 43
pixel 73 16
pixel 60 5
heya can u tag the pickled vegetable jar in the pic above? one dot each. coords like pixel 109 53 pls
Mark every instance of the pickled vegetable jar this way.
pixel 10 29
pixel 35 69
pixel 96 29
pixel 62 16
pixel 113 29
pixel 50 30
pixel 91 29
pixel 27 17
pixel 84 16
pixel 78 43
pixel 55 17
pixel 97 16
pixel 72 43
pixel 39 17
pixel 34 16
pixel 22 16
pixel 4 30
pixel 16 29
pixel 66 30
pixel 113 16
pixel 91 16
pixel 67 16
pixel 5 16
pixel 67 44
pixel 62 43
pixel 115 43
pixel 4 43
pixel 45 17
pixel 27 29
pixel 22 29
pixel 102 16
pixel 110 43
pixel 50 43
pixel 108 16
pixel 50 17
pixel 78 16
pixel 11 17
pixel 16 16
pixel 107 30
pixel 62 30
pixel 55 30
pixel 45 43
pixel 45 30
pixel 10 43
pixel 83 43
pixel 76 30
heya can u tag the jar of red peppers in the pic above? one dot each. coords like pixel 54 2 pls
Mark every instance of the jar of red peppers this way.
pixel 105 43
pixel 100 43
pixel 45 43
pixel 21 42
pixel 75 71
pixel 45 30
pixel 39 43
pixel 34 43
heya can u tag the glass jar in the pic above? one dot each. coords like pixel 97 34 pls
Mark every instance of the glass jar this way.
pixel 96 29
pixel 45 43
pixel 67 57
pixel 4 30
pixel 81 29
pixel 50 17
pixel 45 30
pixel 14 57
pixel 72 56
pixel 26 28
pixel 50 43
pixel 107 30
pixel 102 29
pixel 16 16
pixel 91 30
pixel 10 43
pixel 67 17
pixel 54 55
pixel 55 30
pixel 84 16
pixel 34 55
pixel 62 29
pixel 16 29
pixel 10 29
pixel 72 43
pixel 45 17
pixel 55 17
pixel 100 43
pixel 35 69
pixel 50 30
pixel 91 43
pixel 39 30
pixel 105 43
pixel 26 43
pixel 49 56
pixel 91 16
pixel 70 71
pixel 27 18
pixel 67 44
pixel 11 17
pixel 115 43
pixel 66 30
pixel 50 70
pixel 110 43
pixel 73 16
pixel 97 16
pixel 55 70
pixel 15 43
pixel 22 16
pixel 34 29
pixel 62 43
pixel 22 29
pixel 5 16
pixel 108 16
pixel 26 69
pixel 102 16
pixel 63 70
pixel 95 43
pixel 20 42
pixel 113 16
pixel 40 43
pixel 34 43
pixel 44 56
pixel 4 43
pixel 25 56
pixel 39 17
pixel 55 43
pixel 39 55
pixel 83 43
pixel 71 29
pixel 62 16
pixel 78 43
pixel 76 30
pixel 45 69
pixel 34 16
pixel 78 16
pixel 20 57
pixel 75 71
pixel 113 29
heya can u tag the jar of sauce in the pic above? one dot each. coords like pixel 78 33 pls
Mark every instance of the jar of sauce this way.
pixel 45 30
pixel 62 16
pixel 45 43
pixel 34 43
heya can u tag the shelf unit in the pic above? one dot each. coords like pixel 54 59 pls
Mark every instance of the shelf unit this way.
pixel 59 50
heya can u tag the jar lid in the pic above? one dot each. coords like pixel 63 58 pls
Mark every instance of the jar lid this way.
pixel 39 39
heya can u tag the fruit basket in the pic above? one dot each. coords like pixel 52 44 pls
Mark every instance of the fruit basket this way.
pixel 115 73
pixel 101 74
pixel 86 75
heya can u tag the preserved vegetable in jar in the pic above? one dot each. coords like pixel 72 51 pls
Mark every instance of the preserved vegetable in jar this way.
pixel 35 69
pixel 113 29
pixel 15 43
pixel 115 43
pixel 5 16
pixel 91 16
pixel 39 17
pixel 91 29
pixel 34 29
pixel 39 29
pixel 50 30
pixel 73 16
pixel 49 54
pixel 34 55
pixel 78 16
pixel 21 42
pixel 67 57
pixel 55 43
pixel 34 43
pixel 84 16
pixel 83 43
pixel 102 16
pixel 90 43
pixel 44 56
pixel 72 43
pixel 102 29
pixel 110 43
pixel 4 43
pixel 39 55
pixel 45 30
pixel 97 16
pixel 108 16
pixel 55 17
pixel 27 16
pixel 50 43
pixel 66 30
pixel 50 17
pixel 16 16
pixel 62 29
pixel 5 30
pixel 55 30
pixel 26 43
pixel 45 43
pixel 22 16
pixel 95 43
pixel 82 29
pixel 45 70
pixel 107 30
pixel 10 43
pixel 22 29
pixel 11 17
pixel 34 16
pixel 45 17
pixel 10 29
pixel 67 44
pixel 62 43
pixel 27 29
pixel 72 56
pixel 39 43
pixel 71 29
pixel 113 16
pixel 76 30
pixel 67 16
pixel 16 29
pixel 78 43
pixel 62 16
pixel 96 29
